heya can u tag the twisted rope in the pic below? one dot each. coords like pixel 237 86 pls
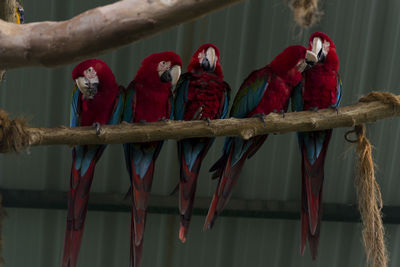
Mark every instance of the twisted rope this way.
pixel 305 12
pixel 368 192
pixel 12 134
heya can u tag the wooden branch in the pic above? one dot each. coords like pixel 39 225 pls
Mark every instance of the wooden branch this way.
pixel 95 31
pixel 7 13
pixel 246 128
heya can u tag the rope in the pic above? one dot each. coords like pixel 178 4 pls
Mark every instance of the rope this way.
pixel 305 12
pixel 369 200
pixel 12 134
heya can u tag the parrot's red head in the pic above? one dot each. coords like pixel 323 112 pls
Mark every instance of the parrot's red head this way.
pixel 206 58
pixel 164 67
pixel 291 62
pixel 325 49
pixel 92 75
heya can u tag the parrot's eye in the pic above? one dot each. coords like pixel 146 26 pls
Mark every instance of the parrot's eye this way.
pixel 90 69
pixel 163 63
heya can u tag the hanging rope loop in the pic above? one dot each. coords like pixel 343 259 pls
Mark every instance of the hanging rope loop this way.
pixel 12 134
pixel 305 12
pixel 369 200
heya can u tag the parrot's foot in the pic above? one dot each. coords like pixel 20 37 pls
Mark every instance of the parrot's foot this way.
pixel 199 113
pixel 143 121
pixel 96 125
pixel 261 116
pixel 163 119
pixel 315 109
pixel 207 119
pixel 336 108
pixel 282 112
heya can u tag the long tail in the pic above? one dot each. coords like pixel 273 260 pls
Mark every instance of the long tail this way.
pixel 232 168
pixel 141 188
pixel 78 199
pixel 195 150
pixel 314 147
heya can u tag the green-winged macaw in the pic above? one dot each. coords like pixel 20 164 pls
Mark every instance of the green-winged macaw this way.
pixel 201 94
pixel 149 98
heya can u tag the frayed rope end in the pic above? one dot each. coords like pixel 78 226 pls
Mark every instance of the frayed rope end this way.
pixel 13 137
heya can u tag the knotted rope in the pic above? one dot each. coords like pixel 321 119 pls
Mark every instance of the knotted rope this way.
pixel 305 12
pixel 12 134
pixel 368 192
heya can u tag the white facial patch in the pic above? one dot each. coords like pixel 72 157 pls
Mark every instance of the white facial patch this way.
pixel 163 66
pixel 325 47
pixel 201 56
pixel 88 83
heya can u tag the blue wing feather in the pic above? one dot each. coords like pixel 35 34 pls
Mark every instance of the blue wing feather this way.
pixel 249 95
pixel 297 98
pixel 182 89
pixel 74 120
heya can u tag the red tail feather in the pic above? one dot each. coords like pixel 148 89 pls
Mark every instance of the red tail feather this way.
pixel 227 181
pixel 311 207
pixel 141 188
pixel 188 184
pixel 78 199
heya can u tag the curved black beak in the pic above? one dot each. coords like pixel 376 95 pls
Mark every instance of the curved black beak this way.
pixel 205 63
pixel 166 76
pixel 93 88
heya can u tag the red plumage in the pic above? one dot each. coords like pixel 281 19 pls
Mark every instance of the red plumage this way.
pixel 151 102
pixel 321 89
pixel 281 76
pixel 207 95
pixel 96 110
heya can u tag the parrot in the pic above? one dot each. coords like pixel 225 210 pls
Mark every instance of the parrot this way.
pixel 201 93
pixel 96 100
pixel 320 88
pixel 264 91
pixel 149 98
pixel 19 13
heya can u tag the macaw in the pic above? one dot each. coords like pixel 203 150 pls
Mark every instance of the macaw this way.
pixel 201 94
pixel 149 98
pixel 96 100
pixel 19 13
pixel 321 88
pixel 264 91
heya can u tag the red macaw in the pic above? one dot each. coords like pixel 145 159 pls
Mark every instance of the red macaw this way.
pixel 201 94
pixel 264 91
pixel 149 98
pixel 96 100
pixel 320 89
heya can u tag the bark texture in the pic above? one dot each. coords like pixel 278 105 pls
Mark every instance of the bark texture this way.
pixel 95 31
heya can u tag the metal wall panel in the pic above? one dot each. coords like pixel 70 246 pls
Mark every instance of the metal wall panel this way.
pixel 249 35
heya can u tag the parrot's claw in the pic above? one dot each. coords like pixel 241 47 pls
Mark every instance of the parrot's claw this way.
pixel 143 121
pixel 207 119
pixel 283 113
pixel 163 119
pixel 336 108
pixel 261 116
pixel 96 125
pixel 315 109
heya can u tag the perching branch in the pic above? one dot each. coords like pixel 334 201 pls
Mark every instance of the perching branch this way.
pixel 348 116
pixel 7 13
pixel 95 31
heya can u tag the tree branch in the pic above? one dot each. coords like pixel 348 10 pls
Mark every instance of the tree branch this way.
pixel 246 128
pixel 7 13
pixel 95 31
